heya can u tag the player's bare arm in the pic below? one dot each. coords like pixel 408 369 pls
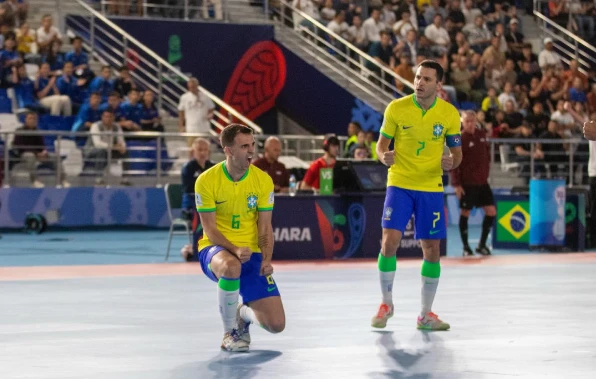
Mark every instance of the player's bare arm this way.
pixel 386 156
pixel 265 230
pixel 215 236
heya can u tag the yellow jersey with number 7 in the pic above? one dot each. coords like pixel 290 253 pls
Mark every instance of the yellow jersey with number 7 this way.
pixel 419 138
pixel 236 204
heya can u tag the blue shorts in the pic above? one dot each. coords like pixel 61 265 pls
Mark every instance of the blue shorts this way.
pixel 253 286
pixel 427 207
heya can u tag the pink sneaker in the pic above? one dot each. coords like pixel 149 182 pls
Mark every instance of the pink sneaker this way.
pixel 431 322
pixel 385 313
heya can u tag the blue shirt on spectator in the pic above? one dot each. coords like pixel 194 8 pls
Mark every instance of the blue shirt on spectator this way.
pixel 578 96
pixel 103 86
pixel 149 113
pixel 133 113
pixel 6 55
pixel 42 83
pixel 118 112
pixel 25 92
pixel 57 63
pixel 68 86
pixel 77 59
pixel 86 114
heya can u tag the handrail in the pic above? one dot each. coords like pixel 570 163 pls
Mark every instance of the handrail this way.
pixel 164 63
pixel 564 31
pixel 346 43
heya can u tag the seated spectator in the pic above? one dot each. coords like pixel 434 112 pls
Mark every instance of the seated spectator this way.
pixel 361 152
pixel 513 118
pixel 537 119
pixel 360 141
pixel 478 34
pixel 548 56
pixel 32 151
pixel 404 70
pixel 515 40
pixel 382 53
pixel 509 74
pixel 404 25
pixel 88 114
pixel 507 95
pixel 563 117
pixel 312 178
pixel 463 79
pixel 524 153
pixel 470 12
pixel 354 128
pixel 54 58
pixel 26 44
pixel 150 118
pixel 271 165
pixel 80 60
pixel 47 34
pixel 438 36
pixel 493 54
pixel 529 56
pixel 132 110
pixel 124 84
pixel 576 93
pixel 371 142
pixel 373 26
pixel 103 84
pixel 12 11
pixel 524 78
pixel 327 12
pixel 357 35
pixel 24 89
pixel 113 105
pixel 190 172
pixel 433 10
pixel 72 87
pixel 48 94
pixel 9 58
pixel 456 19
pixel 574 72
pixel 106 134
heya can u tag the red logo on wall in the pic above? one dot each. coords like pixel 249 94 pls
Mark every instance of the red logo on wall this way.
pixel 257 80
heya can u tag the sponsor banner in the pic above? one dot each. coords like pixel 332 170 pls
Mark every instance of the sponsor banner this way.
pixel 547 207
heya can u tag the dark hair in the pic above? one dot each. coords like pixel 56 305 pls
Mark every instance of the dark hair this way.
pixel 107 111
pixel 123 68
pixel 106 66
pixel 76 38
pixel 429 63
pixel 356 124
pixel 330 139
pixel 114 93
pixel 231 131
pixel 95 94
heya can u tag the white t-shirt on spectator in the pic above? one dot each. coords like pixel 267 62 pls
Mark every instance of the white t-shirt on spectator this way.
pixel 565 119
pixel 405 28
pixel 470 15
pixel 548 58
pixel 505 97
pixel 358 36
pixel 373 29
pixel 307 7
pixel 341 29
pixel 196 109
pixel 43 37
pixel 437 35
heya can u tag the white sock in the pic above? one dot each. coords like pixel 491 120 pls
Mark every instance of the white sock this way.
pixel 248 315
pixel 387 278
pixel 429 289
pixel 228 302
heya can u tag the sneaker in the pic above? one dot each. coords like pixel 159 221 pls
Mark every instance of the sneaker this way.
pixel 385 313
pixel 243 326
pixel 232 342
pixel 38 184
pixel 483 250
pixel 431 322
pixel 468 251
pixel 65 184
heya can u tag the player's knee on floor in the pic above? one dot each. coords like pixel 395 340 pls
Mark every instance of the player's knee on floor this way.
pixel 276 325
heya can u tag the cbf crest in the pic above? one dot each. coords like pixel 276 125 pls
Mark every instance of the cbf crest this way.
pixel 251 201
pixel 438 131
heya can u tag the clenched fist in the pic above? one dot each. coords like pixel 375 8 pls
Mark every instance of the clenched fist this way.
pixel 446 162
pixel 389 158
pixel 243 253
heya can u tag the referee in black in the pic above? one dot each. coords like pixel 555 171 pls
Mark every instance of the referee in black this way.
pixel 470 181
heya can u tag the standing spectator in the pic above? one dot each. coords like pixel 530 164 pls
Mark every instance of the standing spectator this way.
pixel 470 181
pixel 47 34
pixel 312 178
pixel 32 151
pixel 195 111
pixel 191 170
pixel 271 165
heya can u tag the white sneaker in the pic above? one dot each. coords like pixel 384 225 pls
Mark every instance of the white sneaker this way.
pixel 243 326
pixel 38 184
pixel 232 342
pixel 65 184
pixel 384 313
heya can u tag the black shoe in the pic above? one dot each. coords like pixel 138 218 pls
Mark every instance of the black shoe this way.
pixel 468 251
pixel 483 250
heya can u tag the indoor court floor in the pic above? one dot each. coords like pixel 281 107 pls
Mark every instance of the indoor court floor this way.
pixel 79 314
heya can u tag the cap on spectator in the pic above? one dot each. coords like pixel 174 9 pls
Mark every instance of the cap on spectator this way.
pixel 548 40
pixel 513 21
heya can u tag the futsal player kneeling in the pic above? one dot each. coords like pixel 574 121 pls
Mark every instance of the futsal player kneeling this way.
pixel 235 202
pixel 470 181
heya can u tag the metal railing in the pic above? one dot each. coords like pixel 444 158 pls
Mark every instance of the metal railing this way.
pixel 156 158
pixel 569 45
pixel 115 47
pixel 180 9
pixel 333 50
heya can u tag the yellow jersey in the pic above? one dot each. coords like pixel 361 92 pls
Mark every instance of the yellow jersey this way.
pixel 420 137
pixel 236 204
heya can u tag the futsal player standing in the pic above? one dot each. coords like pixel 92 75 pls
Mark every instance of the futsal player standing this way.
pixel 420 125
pixel 235 202
pixel 470 181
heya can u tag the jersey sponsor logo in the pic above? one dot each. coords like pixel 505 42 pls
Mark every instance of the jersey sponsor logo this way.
pixel 438 131
pixel 387 213
pixel 271 197
pixel 407 127
pixel 198 200
pixel 251 201
pixel 292 234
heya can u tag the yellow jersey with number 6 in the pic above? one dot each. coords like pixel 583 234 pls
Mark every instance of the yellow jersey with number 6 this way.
pixel 420 137
pixel 236 204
